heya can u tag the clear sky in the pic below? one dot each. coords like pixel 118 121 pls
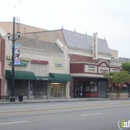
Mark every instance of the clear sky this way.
pixel 109 18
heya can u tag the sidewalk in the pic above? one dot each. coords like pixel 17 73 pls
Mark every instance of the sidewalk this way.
pixel 53 100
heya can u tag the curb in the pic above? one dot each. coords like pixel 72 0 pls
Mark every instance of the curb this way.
pixel 50 101
pixel 57 100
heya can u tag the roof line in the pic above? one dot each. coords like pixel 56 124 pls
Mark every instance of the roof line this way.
pixel 25 24
pixel 42 31
pixel 35 39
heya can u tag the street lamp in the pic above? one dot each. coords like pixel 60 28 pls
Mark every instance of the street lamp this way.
pixel 12 98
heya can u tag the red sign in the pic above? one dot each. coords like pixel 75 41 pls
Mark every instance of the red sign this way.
pixel 39 62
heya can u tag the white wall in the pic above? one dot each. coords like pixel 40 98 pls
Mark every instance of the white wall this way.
pixel 40 69
pixel 114 53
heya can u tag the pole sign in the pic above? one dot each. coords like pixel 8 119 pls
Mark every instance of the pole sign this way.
pixel 95 44
pixel 17 48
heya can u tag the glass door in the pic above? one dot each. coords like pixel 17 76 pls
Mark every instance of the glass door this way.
pixel 56 90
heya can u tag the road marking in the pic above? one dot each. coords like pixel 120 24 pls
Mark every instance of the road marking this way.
pixel 27 110
pixel 8 123
pixel 90 114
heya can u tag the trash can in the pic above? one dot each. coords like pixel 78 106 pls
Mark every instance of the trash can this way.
pixel 20 98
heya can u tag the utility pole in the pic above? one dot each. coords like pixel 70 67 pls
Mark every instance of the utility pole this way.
pixel 12 98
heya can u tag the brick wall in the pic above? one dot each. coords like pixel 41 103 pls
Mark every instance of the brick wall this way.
pixel 2 59
pixel 78 58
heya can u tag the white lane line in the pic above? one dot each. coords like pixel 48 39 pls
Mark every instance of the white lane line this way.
pixel 90 114
pixel 8 123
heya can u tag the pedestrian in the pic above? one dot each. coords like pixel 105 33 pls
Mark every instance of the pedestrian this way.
pixel 124 87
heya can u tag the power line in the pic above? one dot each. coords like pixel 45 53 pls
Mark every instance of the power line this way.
pixel 61 20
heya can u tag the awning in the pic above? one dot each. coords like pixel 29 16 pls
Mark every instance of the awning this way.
pixel 26 75
pixel 44 78
pixel 61 77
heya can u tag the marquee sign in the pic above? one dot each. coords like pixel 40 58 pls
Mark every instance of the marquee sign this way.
pixel 103 70
pixel 114 69
pixel 95 54
pixel 90 68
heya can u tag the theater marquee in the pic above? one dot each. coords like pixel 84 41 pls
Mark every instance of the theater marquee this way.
pixel 90 68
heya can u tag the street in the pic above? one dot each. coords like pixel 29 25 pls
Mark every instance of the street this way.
pixel 79 115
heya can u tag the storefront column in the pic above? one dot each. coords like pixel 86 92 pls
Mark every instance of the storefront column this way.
pixel 6 90
pixel 48 90
pixel 68 90
pixel 29 89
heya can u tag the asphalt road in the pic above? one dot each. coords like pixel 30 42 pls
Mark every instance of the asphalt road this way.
pixel 83 115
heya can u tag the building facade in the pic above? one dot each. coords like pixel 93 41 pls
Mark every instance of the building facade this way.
pixel 88 78
pixel 89 59
pixel 86 58
pixel 43 71
pixel 7 27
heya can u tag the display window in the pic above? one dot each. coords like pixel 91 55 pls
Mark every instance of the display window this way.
pixel 39 88
pixel 81 88
pixel 21 87
pixel 71 89
pixel 87 87
pixel 57 90
pixel 93 86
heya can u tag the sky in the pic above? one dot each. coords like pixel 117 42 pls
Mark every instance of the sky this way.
pixel 109 18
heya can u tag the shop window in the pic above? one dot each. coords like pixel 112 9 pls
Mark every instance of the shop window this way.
pixel 57 90
pixel 21 87
pixel 93 86
pixel 81 88
pixel 71 89
pixel 40 89
pixel 87 87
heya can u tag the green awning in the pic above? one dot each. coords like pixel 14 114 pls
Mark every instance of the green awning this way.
pixel 44 78
pixel 61 77
pixel 26 75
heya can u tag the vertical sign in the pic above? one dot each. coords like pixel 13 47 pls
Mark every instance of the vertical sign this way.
pixel 17 48
pixel 95 53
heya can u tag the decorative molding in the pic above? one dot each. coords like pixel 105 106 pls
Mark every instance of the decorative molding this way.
pixel 86 75
pixel 34 52
pixel 103 64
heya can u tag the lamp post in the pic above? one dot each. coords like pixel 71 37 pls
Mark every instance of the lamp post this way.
pixel 12 98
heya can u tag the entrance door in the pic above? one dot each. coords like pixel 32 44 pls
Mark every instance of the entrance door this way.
pixel 102 88
pixel 56 90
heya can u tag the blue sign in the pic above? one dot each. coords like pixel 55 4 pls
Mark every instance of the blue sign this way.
pixel 17 48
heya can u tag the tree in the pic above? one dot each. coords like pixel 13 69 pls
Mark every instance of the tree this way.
pixel 121 77
pixel 109 77
pixel 126 66
pixel 118 77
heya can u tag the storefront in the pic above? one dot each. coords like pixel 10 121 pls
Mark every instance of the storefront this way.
pixel 88 87
pixel 88 79
pixel 23 80
pixel 58 88
pixel 31 86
